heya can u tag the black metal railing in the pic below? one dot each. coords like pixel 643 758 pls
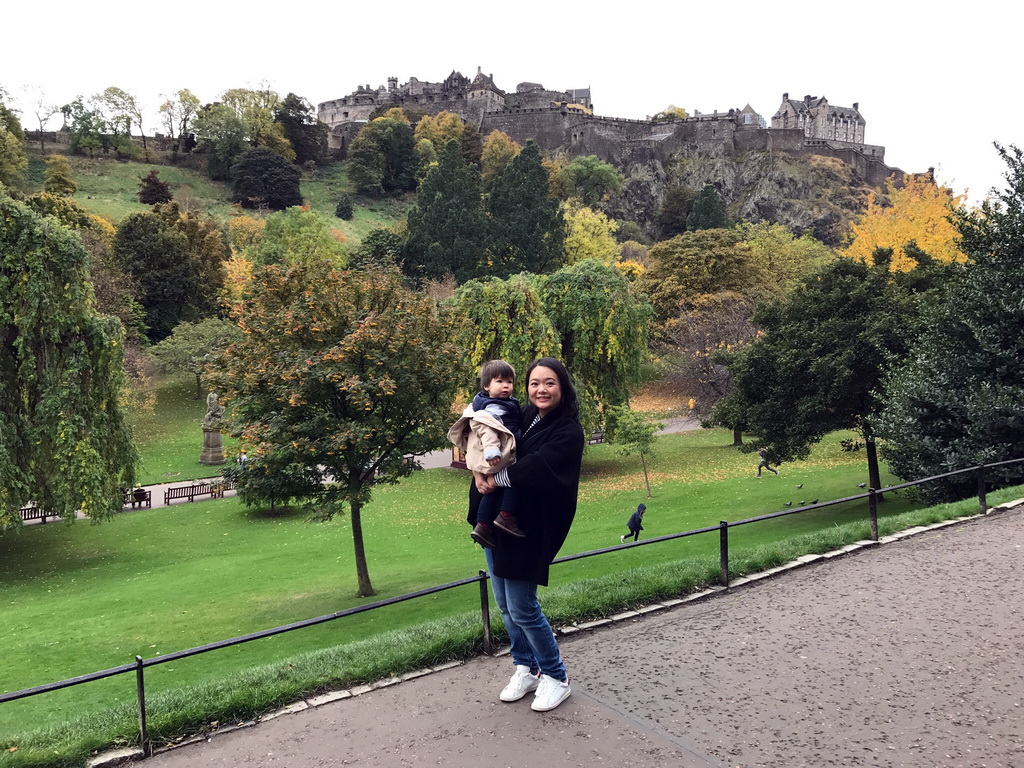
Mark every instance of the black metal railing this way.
pixel 140 664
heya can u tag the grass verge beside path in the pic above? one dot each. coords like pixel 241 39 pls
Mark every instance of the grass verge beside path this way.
pixel 151 582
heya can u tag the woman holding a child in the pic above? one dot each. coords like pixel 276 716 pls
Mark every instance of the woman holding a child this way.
pixel 546 481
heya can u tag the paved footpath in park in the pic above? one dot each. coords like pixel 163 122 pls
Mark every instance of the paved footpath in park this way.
pixel 906 654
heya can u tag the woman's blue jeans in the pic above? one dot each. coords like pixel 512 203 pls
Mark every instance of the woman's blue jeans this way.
pixel 533 643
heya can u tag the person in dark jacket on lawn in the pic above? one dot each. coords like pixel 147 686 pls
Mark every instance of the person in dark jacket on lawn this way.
pixel 634 524
pixel 546 479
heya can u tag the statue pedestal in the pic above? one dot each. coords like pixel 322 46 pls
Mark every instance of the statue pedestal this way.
pixel 213 447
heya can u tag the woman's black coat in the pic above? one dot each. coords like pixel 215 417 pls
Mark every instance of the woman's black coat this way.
pixel 546 478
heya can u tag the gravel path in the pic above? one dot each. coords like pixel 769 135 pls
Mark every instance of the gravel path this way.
pixel 905 654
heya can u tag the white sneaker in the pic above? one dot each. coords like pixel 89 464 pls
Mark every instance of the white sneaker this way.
pixel 622 539
pixel 550 693
pixel 520 684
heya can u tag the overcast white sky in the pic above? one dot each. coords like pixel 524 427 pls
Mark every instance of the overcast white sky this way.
pixel 936 86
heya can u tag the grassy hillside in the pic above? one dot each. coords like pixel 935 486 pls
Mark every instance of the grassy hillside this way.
pixel 109 188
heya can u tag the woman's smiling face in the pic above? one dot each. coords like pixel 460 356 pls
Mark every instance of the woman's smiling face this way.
pixel 545 390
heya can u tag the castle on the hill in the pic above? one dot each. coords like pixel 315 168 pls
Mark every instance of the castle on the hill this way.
pixel 565 120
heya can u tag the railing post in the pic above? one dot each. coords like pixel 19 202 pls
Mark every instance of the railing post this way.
pixel 140 687
pixel 723 552
pixel 873 512
pixel 982 502
pixel 485 614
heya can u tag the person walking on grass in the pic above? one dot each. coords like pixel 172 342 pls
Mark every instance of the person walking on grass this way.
pixel 634 524
pixel 487 431
pixel 763 463
pixel 546 478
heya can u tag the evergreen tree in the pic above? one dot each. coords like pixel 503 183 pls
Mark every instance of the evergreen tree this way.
pixel 308 136
pixel 527 228
pixel 959 400
pixel 58 179
pixel 708 211
pixel 382 158
pixel 263 178
pixel 152 190
pixel 447 227
pixel 64 441
pixel 13 160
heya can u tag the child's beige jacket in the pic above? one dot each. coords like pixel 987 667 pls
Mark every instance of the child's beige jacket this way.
pixel 474 432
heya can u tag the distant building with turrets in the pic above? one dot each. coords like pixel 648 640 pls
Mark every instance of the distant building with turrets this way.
pixel 565 121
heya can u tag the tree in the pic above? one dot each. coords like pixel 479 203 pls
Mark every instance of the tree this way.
pixel 177 114
pixel 602 323
pixel 13 160
pixel 505 320
pixel 264 179
pixel 58 178
pixel 307 135
pixel 207 249
pixel 675 209
pixel 527 227
pixel 344 208
pixel 499 150
pixel 382 158
pixel 382 247
pixel 589 235
pixel 957 401
pixel 191 346
pixel 256 109
pixel 447 228
pixel 670 113
pixel 87 128
pixel 439 130
pixel 818 363
pixel 633 434
pixel 42 110
pixel 338 376
pixel 152 190
pixel 299 234
pixel 783 257
pixel 155 255
pixel 589 180
pixel 121 110
pixel 708 211
pixel 221 135
pixel 695 263
pixel 64 441
pixel 918 211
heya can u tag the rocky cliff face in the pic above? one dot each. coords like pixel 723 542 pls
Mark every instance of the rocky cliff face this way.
pixel 803 192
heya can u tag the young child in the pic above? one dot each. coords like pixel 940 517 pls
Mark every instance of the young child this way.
pixel 635 524
pixel 490 446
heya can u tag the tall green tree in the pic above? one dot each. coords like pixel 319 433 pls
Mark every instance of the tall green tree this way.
pixel 382 158
pixel 633 434
pixel 527 227
pixel 264 179
pixel 602 323
pixel 86 128
pixel 64 441
pixel 59 179
pixel 447 227
pixel 308 136
pixel 338 376
pixel 708 211
pixel 155 255
pixel 589 180
pixel 957 401
pixel 819 361
pixel 295 235
pixel 177 114
pixel 222 136
pixel 13 160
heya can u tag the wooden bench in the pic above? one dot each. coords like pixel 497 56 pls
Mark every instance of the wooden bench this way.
pixel 213 490
pixel 35 513
pixel 596 437
pixel 140 497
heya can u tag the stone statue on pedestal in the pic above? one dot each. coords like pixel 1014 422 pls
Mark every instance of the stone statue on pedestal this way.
pixel 213 441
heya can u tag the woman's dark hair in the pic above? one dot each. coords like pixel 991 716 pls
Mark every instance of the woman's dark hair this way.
pixel 570 404
pixel 494 368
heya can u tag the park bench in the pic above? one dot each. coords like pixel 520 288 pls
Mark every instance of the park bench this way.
pixel 213 490
pixel 596 437
pixel 140 497
pixel 35 513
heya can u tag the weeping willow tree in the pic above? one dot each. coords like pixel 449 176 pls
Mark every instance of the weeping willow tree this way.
pixel 504 320
pixel 64 442
pixel 587 314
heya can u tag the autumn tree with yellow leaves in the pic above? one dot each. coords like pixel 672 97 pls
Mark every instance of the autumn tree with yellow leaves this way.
pixel 917 211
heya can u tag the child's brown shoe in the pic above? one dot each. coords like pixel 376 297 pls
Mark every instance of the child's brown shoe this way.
pixel 507 522
pixel 482 535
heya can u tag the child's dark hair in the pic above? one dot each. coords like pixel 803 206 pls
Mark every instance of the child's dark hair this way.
pixel 494 368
